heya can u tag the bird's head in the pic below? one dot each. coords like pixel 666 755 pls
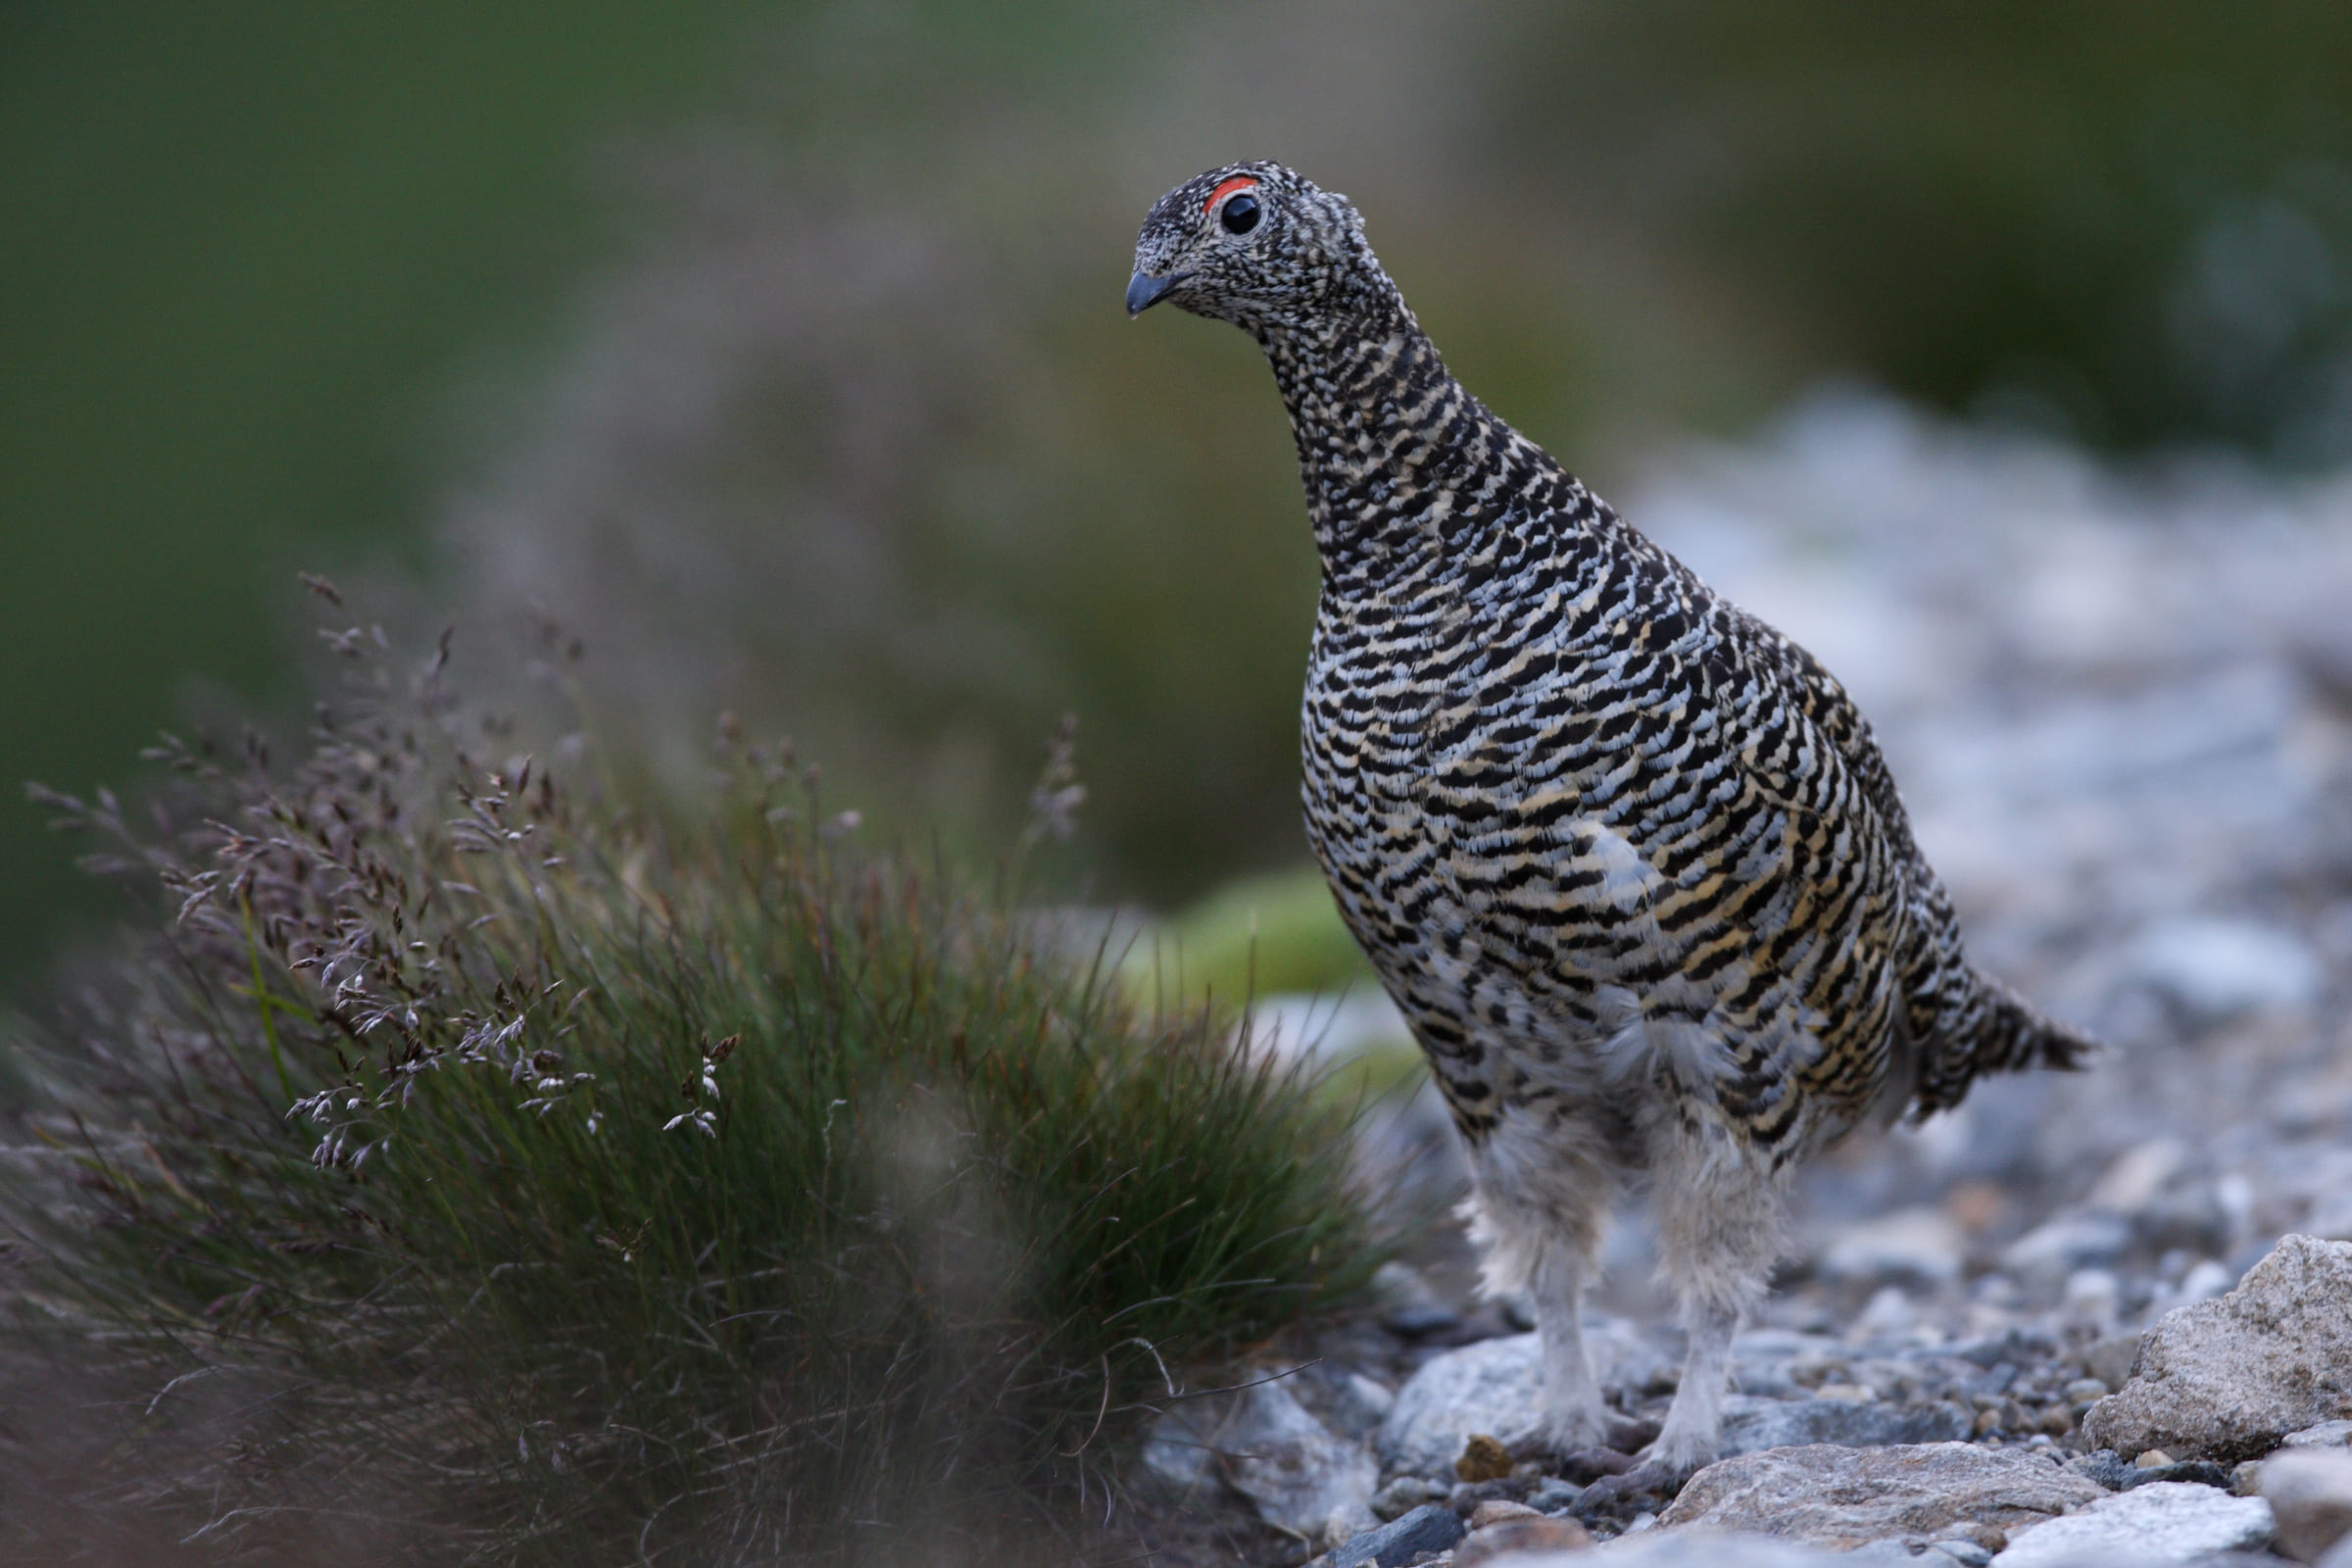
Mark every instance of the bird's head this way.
pixel 1253 244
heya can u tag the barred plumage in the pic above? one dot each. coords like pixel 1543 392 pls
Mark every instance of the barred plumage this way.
pixel 1626 858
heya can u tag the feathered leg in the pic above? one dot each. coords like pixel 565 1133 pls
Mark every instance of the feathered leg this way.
pixel 1722 1221
pixel 1573 1415
pixel 1536 1212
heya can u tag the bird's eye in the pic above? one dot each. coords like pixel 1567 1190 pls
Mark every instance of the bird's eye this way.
pixel 1240 216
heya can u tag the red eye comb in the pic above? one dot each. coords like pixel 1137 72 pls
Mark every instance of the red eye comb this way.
pixel 1225 189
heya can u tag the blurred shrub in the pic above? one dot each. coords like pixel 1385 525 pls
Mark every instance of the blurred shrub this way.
pixel 491 1168
pixel 2128 223
pixel 861 446
pixel 844 428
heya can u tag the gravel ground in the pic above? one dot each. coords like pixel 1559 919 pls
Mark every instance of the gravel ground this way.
pixel 2120 709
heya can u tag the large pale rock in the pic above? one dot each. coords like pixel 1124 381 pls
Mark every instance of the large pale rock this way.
pixel 1266 1445
pixel 1846 1497
pixel 2309 1491
pixel 2228 1379
pixel 2147 1527
pixel 1289 1464
pixel 1495 1386
pixel 1750 1426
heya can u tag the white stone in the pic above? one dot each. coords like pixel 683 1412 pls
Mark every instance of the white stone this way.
pixel 1494 1387
pixel 2150 1526
pixel 2206 1279
pixel 1289 1464
pixel 2065 1243
pixel 2310 1491
pixel 2092 1296
pixel 1918 1244
pixel 2326 1435
pixel 2220 968
pixel 1886 1315
pixel 2138 1175
pixel 1266 1445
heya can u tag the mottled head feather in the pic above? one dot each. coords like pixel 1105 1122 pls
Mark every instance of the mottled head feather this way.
pixel 1304 260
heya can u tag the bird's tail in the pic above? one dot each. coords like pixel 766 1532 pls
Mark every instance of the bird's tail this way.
pixel 2009 1035
pixel 2016 1036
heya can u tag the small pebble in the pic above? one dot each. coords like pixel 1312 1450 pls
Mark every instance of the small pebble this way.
pixel 1512 1539
pixel 1552 1494
pixel 2152 1458
pixel 1468 1494
pixel 2104 1467
pixel 2327 1435
pixel 1495 1510
pixel 2207 1280
pixel 2309 1491
pixel 1403 1494
pixel 1426 1529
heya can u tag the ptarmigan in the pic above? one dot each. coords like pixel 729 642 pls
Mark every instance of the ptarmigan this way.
pixel 1626 858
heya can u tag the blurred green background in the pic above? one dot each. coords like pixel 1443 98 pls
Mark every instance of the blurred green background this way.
pixel 775 351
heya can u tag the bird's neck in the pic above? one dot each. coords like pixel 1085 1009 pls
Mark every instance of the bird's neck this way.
pixel 1403 467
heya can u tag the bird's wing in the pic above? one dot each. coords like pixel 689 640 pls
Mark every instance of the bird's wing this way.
pixel 1955 1023
pixel 1725 865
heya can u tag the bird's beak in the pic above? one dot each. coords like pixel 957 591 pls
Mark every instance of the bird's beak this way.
pixel 1144 291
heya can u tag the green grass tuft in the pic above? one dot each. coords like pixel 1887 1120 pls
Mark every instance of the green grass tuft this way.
pixel 526 1181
